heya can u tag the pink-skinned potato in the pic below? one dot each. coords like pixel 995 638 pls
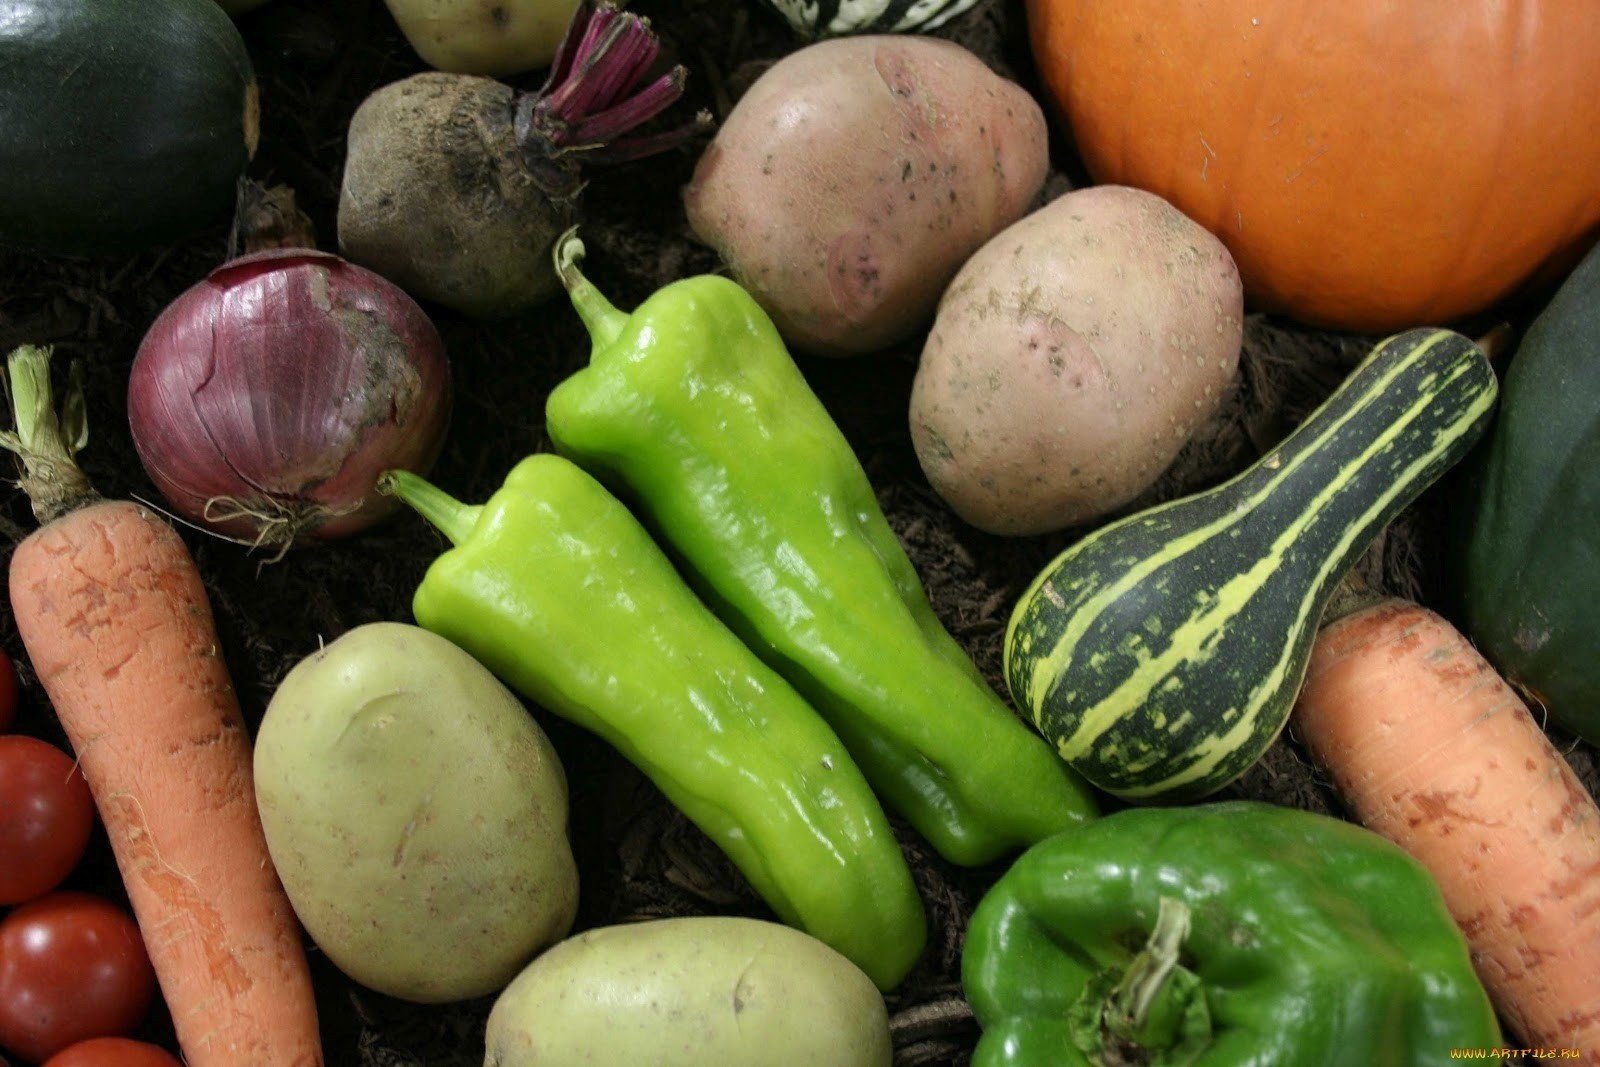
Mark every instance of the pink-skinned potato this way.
pixel 855 176
pixel 1072 357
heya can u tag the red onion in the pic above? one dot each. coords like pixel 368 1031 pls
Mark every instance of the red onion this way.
pixel 266 400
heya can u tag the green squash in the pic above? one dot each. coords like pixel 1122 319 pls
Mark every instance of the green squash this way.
pixel 1527 524
pixel 1162 654
pixel 123 123
pixel 832 18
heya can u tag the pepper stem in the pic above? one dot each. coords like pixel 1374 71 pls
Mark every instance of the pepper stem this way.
pixel 44 441
pixel 453 518
pixel 1154 1010
pixel 604 322
pixel 1132 1009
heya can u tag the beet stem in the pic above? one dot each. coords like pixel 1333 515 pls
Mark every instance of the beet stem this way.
pixel 637 109
pixel 561 66
pixel 592 97
pixel 626 149
pixel 590 83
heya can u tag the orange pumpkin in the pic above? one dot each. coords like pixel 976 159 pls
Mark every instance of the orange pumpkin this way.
pixel 1371 164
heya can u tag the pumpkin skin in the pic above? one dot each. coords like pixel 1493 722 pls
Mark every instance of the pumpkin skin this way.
pixel 1370 164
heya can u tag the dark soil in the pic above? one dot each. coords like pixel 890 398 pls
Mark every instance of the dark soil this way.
pixel 317 59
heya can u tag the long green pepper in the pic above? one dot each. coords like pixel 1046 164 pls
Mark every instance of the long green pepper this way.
pixel 694 407
pixel 555 587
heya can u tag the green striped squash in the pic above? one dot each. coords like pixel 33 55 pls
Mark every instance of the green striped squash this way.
pixel 1161 654
pixel 832 18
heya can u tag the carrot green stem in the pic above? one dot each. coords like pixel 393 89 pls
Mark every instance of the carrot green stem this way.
pixel 1352 594
pixel 605 323
pixel 44 441
pixel 453 518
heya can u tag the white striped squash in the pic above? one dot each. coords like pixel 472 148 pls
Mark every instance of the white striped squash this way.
pixel 1162 654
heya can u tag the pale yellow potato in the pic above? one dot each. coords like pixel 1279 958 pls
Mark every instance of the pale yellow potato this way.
pixel 490 37
pixel 416 815
pixel 694 992
pixel 853 178
pixel 1072 358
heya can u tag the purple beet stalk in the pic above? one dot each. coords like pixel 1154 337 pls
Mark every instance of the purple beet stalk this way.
pixel 591 102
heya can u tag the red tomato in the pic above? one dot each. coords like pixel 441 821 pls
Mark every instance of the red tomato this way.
pixel 113 1052
pixel 72 967
pixel 46 815
pixel 8 696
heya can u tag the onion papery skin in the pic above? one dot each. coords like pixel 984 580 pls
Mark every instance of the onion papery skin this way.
pixel 266 400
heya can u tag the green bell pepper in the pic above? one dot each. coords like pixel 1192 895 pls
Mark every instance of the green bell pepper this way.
pixel 1222 935
pixel 694 410
pixel 555 587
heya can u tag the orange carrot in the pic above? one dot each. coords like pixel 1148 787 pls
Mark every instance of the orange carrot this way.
pixel 116 623
pixel 1433 750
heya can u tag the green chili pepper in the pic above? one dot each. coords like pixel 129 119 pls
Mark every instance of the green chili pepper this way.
pixel 692 406
pixel 556 588
pixel 1223 935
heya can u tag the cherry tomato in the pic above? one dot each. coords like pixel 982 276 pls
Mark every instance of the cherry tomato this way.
pixel 8 696
pixel 46 815
pixel 72 967
pixel 113 1052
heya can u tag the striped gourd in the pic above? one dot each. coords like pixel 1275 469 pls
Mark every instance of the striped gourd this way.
pixel 832 18
pixel 1161 654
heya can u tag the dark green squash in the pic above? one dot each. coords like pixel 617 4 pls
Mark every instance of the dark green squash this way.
pixel 123 123
pixel 1527 524
pixel 1162 654
pixel 831 18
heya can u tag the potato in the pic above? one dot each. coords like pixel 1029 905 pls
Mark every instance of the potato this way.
pixel 416 815
pixel 493 37
pixel 854 177
pixel 1071 359
pixel 690 993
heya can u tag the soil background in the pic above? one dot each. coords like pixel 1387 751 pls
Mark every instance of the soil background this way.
pixel 639 858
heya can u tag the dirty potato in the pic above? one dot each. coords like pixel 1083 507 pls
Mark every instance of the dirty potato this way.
pixel 690 992
pixel 1071 359
pixel 854 177
pixel 416 814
